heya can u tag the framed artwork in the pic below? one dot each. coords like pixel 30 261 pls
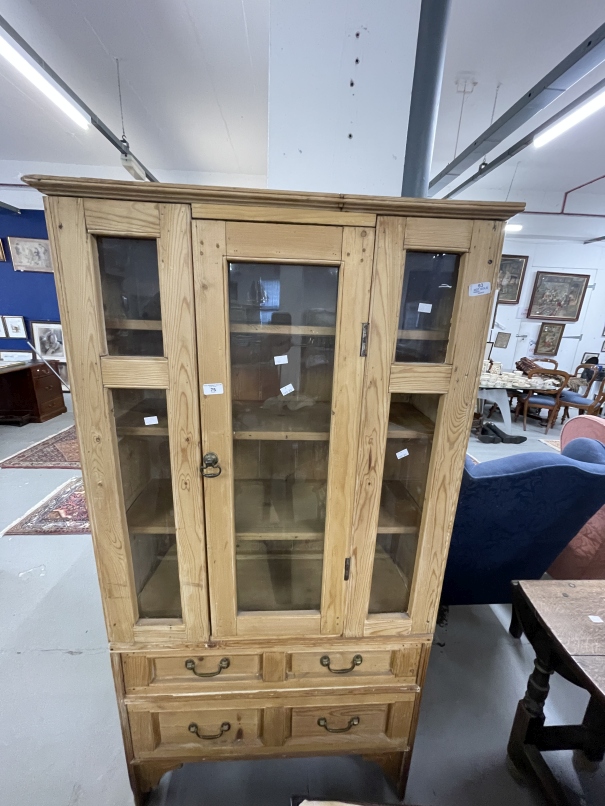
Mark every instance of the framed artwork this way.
pixel 587 356
pixel 3 333
pixel 48 340
pixel 510 278
pixel 549 338
pixel 15 327
pixel 2 252
pixel 502 340
pixel 557 296
pixel 488 350
pixel 30 254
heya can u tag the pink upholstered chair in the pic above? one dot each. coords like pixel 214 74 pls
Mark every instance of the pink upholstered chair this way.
pixel 584 557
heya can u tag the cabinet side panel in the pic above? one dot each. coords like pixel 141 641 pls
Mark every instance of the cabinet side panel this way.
pixel 386 292
pixel 210 280
pixel 353 310
pixel 178 315
pixel 81 312
pixel 469 332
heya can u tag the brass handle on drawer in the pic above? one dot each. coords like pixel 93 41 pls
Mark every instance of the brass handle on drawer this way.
pixel 325 661
pixel 224 663
pixel 323 723
pixel 210 460
pixel 193 728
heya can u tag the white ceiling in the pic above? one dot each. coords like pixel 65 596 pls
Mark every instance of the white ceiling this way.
pixel 195 81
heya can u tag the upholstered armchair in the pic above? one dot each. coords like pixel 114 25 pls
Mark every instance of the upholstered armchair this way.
pixel 515 515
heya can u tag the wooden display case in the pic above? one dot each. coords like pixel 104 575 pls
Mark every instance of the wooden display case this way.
pixel 274 393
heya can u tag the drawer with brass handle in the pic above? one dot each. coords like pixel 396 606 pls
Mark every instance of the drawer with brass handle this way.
pixel 191 671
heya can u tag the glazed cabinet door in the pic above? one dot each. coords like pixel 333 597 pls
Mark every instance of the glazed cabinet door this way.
pixel 280 312
pixel 428 327
pixel 125 280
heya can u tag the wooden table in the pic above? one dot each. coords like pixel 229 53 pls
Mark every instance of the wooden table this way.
pixel 30 392
pixel 555 616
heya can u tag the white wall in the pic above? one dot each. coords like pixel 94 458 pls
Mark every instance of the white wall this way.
pixel 560 256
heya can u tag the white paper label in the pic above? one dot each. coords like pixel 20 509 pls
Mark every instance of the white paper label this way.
pixel 479 289
pixel 18 356
pixel 401 454
pixel 281 359
pixel 424 307
pixel 285 390
pixel 213 388
pixel 150 420
pixel 596 619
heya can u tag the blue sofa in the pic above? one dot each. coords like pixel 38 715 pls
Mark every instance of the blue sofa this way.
pixel 515 515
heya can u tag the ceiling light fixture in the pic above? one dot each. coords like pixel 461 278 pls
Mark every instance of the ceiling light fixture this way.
pixel 26 69
pixel 585 111
pixel 513 227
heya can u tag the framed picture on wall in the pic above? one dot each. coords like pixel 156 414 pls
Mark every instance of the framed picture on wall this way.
pixel 510 278
pixel 2 252
pixel 502 340
pixel 48 340
pixel 15 327
pixel 549 338
pixel 557 296
pixel 593 357
pixel 30 254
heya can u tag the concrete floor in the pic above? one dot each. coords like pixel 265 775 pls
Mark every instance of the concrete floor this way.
pixel 60 742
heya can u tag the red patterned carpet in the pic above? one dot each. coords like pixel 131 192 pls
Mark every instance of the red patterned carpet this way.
pixel 64 512
pixel 60 451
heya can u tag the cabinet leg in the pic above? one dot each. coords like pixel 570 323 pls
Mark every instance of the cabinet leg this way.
pixel 391 765
pixel 148 774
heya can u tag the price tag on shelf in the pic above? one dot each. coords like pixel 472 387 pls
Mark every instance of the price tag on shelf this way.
pixel 281 359
pixel 402 454
pixel 479 289
pixel 285 390
pixel 213 388
pixel 150 420
pixel 596 619
pixel 424 307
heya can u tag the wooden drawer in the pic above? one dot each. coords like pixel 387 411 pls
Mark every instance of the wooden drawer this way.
pixel 41 371
pixel 334 667
pixel 47 389
pixel 50 406
pixel 190 671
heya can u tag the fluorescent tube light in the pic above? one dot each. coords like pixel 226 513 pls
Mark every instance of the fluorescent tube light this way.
pixel 43 84
pixel 583 112
pixel 513 227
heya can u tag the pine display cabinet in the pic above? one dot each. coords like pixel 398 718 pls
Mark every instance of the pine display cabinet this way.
pixel 273 395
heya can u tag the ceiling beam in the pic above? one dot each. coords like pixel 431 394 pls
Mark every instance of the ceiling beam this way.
pixel 588 55
pixel 122 147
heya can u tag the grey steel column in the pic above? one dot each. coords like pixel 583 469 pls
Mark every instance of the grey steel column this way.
pixel 426 90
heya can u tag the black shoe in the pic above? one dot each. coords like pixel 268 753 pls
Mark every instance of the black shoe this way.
pixel 487 435
pixel 504 436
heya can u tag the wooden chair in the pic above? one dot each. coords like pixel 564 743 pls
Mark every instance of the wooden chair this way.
pixel 547 361
pixel 569 397
pixel 543 398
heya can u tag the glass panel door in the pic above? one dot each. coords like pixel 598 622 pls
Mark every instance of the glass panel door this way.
pixel 408 451
pixel 282 329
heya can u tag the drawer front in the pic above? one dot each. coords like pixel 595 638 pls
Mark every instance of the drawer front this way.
pixel 195 731
pixel 51 405
pixel 336 667
pixel 336 720
pixel 190 671
pixel 47 389
pixel 41 371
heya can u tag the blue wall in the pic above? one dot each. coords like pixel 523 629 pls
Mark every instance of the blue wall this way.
pixel 25 293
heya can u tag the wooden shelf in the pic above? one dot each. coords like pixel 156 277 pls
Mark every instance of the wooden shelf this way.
pixel 399 513
pixel 284 330
pixel 133 324
pixel 131 422
pixel 252 421
pixel 160 597
pixel 423 335
pixel 278 510
pixel 406 422
pixel 152 512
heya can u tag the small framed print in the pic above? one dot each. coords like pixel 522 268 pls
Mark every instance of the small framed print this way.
pixel 549 338
pixel 30 254
pixel 592 357
pixel 502 340
pixel 558 296
pixel 15 327
pixel 510 278
pixel 48 340
pixel 2 252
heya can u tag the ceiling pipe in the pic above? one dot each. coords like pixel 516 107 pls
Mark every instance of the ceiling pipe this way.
pixel 588 55
pixel 426 91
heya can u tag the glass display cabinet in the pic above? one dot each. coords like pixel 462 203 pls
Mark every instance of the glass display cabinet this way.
pixel 273 394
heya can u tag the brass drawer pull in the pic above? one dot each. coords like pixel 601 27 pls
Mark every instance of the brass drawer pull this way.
pixel 353 721
pixel 193 728
pixel 224 663
pixel 325 661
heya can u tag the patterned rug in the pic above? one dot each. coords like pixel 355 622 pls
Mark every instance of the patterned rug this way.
pixel 60 451
pixel 552 443
pixel 63 512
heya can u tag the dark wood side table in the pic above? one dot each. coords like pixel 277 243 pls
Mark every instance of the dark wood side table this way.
pixel 555 616
pixel 30 389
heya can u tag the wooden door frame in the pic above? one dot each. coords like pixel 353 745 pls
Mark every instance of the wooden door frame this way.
pixel 216 244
